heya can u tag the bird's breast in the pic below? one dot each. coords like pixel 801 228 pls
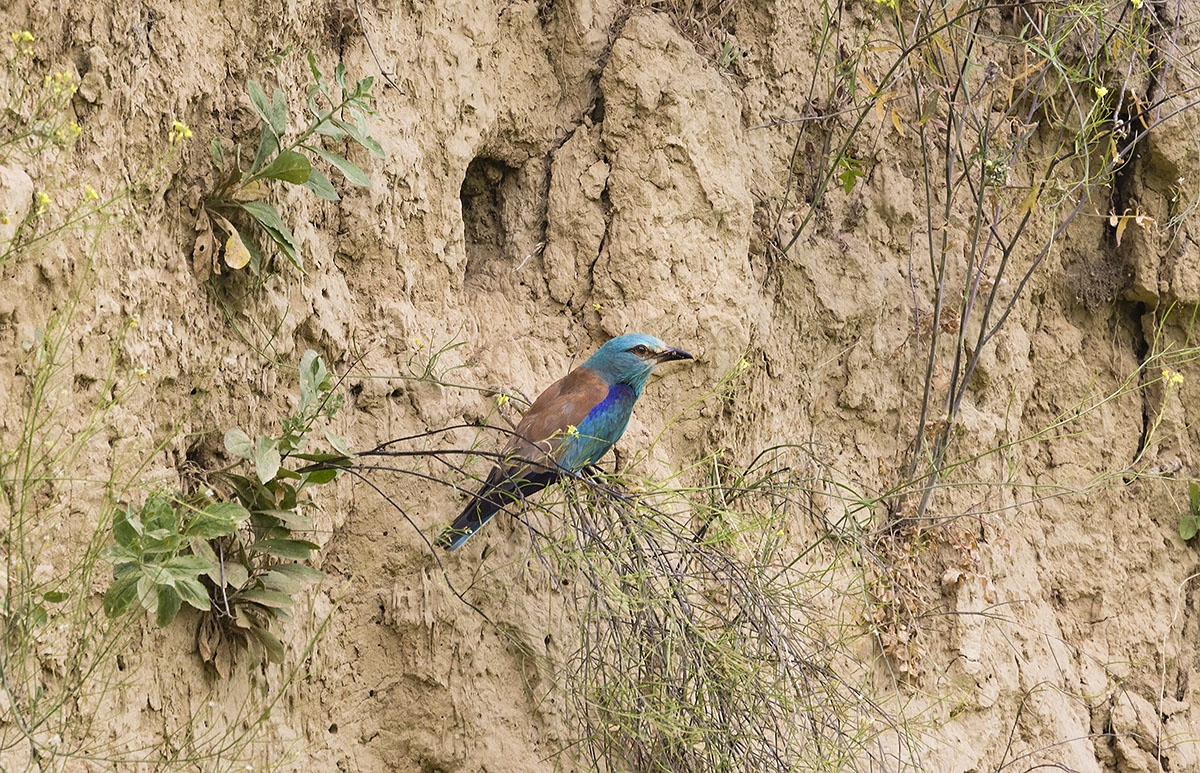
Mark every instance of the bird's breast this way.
pixel 621 397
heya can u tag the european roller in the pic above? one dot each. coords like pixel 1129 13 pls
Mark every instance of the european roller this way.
pixel 569 426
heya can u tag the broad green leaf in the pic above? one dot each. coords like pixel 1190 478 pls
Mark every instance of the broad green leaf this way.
pixel 269 219
pixel 169 602
pixel 278 581
pixel 291 519
pixel 147 592
pixel 55 596
pixel 127 527
pixel 229 511
pixel 272 645
pixel 372 144
pixel 218 155
pixel 193 593
pixel 236 575
pixel 352 172
pixel 120 557
pixel 300 572
pixel 356 131
pixel 158 515
pixel 37 615
pixel 262 105
pixel 339 74
pixel 239 444
pixel 320 477
pixel 279 113
pixel 289 166
pixel 1194 495
pixel 1189 526
pixel 285 548
pixel 268 144
pixel 266 458
pixel 186 567
pixel 363 134
pixel 328 128
pixel 319 184
pixel 200 547
pixel 337 442
pixel 120 595
pixel 268 598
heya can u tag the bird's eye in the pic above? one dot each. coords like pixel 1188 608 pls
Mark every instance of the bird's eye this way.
pixel 640 350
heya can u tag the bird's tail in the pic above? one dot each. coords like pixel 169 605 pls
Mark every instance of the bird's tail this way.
pixel 497 492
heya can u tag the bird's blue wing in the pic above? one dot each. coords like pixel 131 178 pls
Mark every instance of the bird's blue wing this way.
pixel 602 427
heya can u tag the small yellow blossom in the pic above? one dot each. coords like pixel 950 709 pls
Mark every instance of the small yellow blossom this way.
pixel 1101 92
pixel 89 193
pixel 179 132
pixel 133 321
pixel 572 431
pixel 65 134
pixel 1137 4
pixel 42 201
pixel 23 40
pixel 1171 377
pixel 5 219
pixel 61 83
pixel 418 343
pixel 502 400
pixel 141 372
pixel 596 307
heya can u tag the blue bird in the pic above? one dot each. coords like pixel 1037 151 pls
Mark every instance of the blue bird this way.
pixel 569 426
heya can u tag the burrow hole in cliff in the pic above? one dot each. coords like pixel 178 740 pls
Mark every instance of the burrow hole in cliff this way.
pixel 499 203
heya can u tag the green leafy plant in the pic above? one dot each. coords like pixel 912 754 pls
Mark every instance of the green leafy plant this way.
pixel 1189 524
pixel 850 171
pixel 157 559
pixel 237 557
pixel 237 211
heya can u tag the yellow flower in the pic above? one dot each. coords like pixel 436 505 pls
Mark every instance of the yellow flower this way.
pixel 23 41
pixel 43 201
pixel 61 82
pixel 89 193
pixel 502 400
pixel 572 431
pixel 1101 92
pixel 1171 377
pixel 1137 4
pixel 179 132
pixel 65 134
pixel 596 307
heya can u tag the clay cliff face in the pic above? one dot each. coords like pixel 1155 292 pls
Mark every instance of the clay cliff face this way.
pixel 557 174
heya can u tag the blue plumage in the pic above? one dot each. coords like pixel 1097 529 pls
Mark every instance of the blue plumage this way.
pixel 570 426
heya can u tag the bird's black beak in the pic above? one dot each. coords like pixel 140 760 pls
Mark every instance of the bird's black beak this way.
pixel 670 354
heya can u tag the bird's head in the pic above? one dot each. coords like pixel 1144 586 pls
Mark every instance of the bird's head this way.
pixel 631 358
